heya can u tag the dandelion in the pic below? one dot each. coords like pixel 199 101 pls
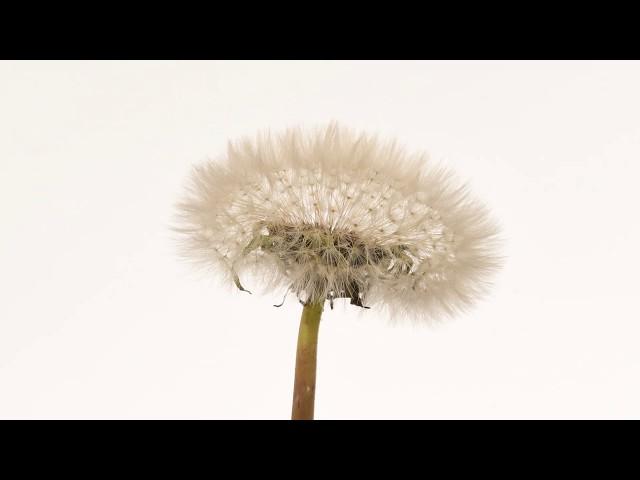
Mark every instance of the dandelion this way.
pixel 332 215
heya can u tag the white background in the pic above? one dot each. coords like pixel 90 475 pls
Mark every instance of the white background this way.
pixel 99 318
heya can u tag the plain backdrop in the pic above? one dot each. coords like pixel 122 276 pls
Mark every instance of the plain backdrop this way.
pixel 100 319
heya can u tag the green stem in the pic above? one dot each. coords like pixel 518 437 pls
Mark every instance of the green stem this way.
pixel 304 388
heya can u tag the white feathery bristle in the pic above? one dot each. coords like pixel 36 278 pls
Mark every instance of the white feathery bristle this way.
pixel 334 214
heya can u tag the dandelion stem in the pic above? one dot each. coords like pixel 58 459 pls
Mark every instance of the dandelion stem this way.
pixel 304 388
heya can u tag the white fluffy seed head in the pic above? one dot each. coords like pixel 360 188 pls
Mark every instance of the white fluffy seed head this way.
pixel 334 214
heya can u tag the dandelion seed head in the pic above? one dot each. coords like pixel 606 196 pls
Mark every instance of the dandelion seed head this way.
pixel 335 214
